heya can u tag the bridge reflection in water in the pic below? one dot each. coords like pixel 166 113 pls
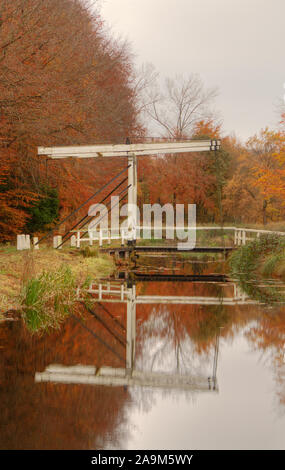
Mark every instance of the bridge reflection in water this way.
pixel 122 292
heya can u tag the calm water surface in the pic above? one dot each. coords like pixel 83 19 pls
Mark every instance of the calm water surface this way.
pixel 209 363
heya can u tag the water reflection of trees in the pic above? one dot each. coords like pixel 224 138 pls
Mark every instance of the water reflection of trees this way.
pixel 200 323
pixel 268 336
pixel 164 342
pixel 57 416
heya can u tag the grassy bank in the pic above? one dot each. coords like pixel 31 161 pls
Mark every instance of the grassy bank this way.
pixel 260 259
pixel 19 269
pixel 264 256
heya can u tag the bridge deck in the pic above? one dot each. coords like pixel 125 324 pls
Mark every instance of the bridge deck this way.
pixel 167 249
pixel 158 277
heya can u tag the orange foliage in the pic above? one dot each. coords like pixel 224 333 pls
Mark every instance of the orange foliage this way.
pixel 62 82
pixel 256 190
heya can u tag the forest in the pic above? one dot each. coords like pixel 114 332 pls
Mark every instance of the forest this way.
pixel 69 82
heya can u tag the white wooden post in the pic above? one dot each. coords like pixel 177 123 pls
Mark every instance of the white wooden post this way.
pixel 78 239
pixel 132 196
pixel 73 241
pixel 100 237
pixel 90 238
pixel 100 291
pixel 20 244
pixel 131 329
pixel 239 237
pixel 243 237
pixel 123 237
pixel 235 239
pixel 35 243
pixel 57 240
pixel 134 320
pixel 27 242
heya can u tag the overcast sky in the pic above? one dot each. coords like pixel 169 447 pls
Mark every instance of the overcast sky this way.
pixel 236 45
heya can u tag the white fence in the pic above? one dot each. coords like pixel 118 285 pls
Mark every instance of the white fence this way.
pixel 240 235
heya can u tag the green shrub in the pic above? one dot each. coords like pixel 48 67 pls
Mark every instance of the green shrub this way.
pixel 270 265
pixel 44 211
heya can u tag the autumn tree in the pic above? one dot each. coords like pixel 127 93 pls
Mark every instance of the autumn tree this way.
pixel 62 81
pixel 255 188
pixel 15 197
pixel 176 107
pixel 268 151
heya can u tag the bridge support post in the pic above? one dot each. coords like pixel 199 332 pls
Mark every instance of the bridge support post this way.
pixel 132 197
pixel 215 365
pixel 131 329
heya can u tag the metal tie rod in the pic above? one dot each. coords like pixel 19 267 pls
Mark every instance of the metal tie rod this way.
pixel 82 205
pixel 104 215
pixel 86 216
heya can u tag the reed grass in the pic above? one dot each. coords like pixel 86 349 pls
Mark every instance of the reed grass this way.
pixel 260 258
pixel 47 299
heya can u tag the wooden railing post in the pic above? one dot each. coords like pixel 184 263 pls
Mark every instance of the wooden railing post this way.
pixel 78 239
pixel 90 238
pixel 235 239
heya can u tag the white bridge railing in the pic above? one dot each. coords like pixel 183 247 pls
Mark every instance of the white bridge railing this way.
pixel 240 235
pixel 117 292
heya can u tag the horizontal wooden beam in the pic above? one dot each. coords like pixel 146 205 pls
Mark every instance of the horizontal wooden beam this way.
pixel 92 151
pixel 110 376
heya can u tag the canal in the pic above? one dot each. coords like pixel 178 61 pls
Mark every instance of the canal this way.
pixel 171 356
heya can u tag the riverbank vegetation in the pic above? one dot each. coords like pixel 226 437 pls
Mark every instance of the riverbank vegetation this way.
pixel 47 299
pixel 260 259
pixel 36 279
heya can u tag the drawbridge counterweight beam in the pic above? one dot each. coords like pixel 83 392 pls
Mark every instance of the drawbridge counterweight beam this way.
pixel 93 151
